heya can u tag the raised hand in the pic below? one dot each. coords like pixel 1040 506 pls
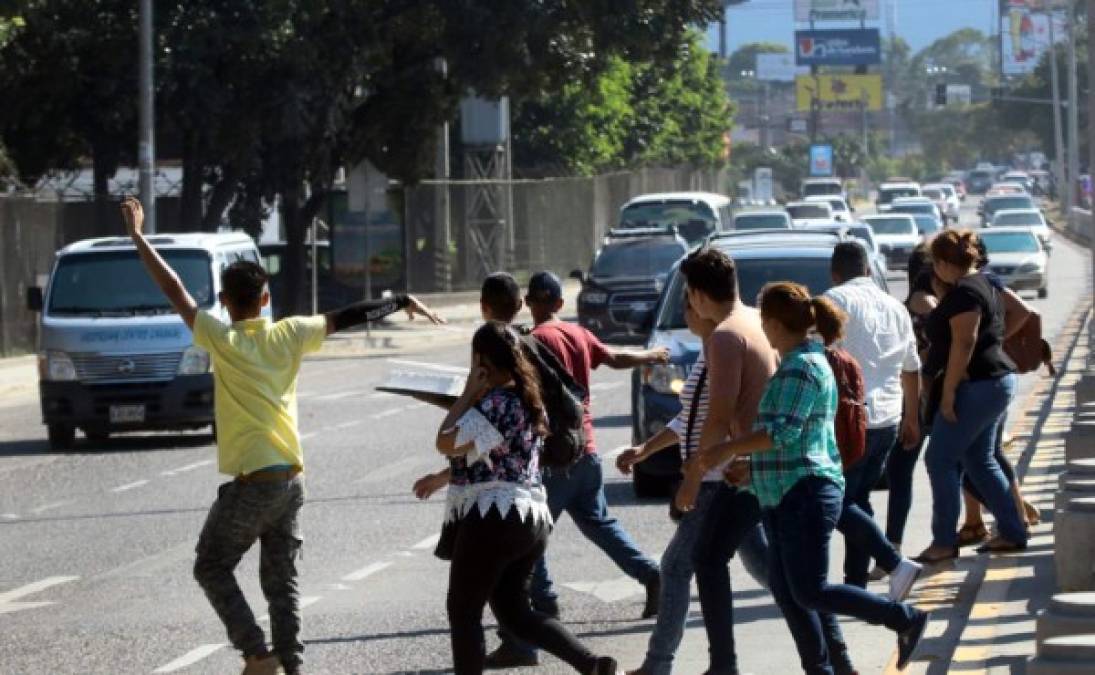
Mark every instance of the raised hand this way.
pixel 133 216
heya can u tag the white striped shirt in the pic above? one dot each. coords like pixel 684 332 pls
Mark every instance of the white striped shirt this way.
pixel 689 444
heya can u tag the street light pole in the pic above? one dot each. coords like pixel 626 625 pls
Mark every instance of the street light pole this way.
pixel 146 148
pixel 1073 112
pixel 1058 132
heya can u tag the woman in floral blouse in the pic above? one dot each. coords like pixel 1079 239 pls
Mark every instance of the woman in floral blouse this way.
pixel 497 520
pixel 796 474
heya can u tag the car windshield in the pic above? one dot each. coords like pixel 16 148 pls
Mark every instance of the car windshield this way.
pixel 892 225
pixel 914 208
pixel 116 283
pixel 1009 242
pixel 802 211
pixel 1031 218
pixel 694 220
pixel 753 274
pixel 863 234
pixel 926 224
pixel 887 195
pixel 936 195
pixel 820 189
pixel 636 258
pixel 760 221
pixel 1001 203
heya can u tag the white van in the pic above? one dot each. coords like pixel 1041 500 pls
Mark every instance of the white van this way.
pixel 696 215
pixel 113 354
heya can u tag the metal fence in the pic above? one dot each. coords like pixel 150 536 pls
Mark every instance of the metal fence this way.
pixel 459 231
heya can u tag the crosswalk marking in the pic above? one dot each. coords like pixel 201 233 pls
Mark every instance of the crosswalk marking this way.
pixel 190 658
pixel 367 571
pixel 428 542
pixel 188 467
pixel 9 600
pixel 432 366
pixel 129 486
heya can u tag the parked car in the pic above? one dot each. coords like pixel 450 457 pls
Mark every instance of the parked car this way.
pixel 990 205
pixel 762 220
pixel 842 211
pixel 760 258
pixel 1033 219
pixel 1017 256
pixel 897 236
pixel 805 213
pixel 624 280
pixel 696 215
pixel 946 198
pixel 887 192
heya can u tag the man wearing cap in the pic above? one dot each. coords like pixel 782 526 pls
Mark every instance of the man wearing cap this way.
pixel 579 490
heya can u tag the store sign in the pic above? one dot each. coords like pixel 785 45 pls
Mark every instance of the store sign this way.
pixel 838 92
pixel 836 10
pixel 821 160
pixel 858 47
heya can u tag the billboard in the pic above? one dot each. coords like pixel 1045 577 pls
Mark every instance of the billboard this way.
pixel 776 67
pixel 838 92
pixel 836 10
pixel 821 160
pixel 845 47
pixel 1025 33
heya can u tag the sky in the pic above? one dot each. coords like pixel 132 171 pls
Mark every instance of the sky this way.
pixel 919 22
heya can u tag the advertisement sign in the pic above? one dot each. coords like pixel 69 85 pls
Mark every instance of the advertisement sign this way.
pixel 838 92
pixel 776 67
pixel 762 185
pixel 821 160
pixel 1025 34
pixel 836 10
pixel 853 47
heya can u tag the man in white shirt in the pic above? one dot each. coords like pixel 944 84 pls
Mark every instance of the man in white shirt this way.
pixel 879 335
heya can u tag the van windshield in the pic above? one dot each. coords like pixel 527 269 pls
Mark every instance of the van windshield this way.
pixel 114 283
pixel 694 220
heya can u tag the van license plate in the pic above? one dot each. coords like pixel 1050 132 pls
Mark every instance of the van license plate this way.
pixel 126 414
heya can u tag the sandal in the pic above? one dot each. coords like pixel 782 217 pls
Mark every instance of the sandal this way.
pixel 969 535
pixel 1034 516
pixel 1001 545
pixel 925 559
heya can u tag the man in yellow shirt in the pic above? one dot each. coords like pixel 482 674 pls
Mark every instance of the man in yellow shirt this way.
pixel 258 444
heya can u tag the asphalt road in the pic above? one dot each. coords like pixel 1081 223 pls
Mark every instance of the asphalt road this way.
pixel 97 544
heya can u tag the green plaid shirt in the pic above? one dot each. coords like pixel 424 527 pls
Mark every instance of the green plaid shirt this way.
pixel 797 411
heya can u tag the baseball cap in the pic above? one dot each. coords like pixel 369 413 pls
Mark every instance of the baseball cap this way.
pixel 545 287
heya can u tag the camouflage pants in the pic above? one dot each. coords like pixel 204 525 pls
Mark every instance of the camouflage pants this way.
pixel 243 514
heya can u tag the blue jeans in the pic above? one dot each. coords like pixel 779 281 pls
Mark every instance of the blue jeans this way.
pixel 899 470
pixel 799 530
pixel 863 539
pixel 968 446
pixel 676 588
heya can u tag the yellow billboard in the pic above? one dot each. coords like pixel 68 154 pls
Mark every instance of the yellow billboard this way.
pixel 838 92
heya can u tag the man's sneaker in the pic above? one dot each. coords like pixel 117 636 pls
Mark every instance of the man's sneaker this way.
pixel 909 638
pixel 902 579
pixel 653 593
pixel 549 606
pixel 262 665
pixel 606 665
pixel 509 655
pixel 877 574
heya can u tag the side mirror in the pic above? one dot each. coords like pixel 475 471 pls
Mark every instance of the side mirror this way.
pixel 34 299
pixel 579 275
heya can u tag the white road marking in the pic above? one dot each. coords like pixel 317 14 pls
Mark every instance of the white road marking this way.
pixel 392 470
pixel 306 601
pixel 10 516
pixel 188 467
pixel 50 506
pixel 129 486
pixel 380 395
pixel 308 435
pixel 612 590
pixel 427 543
pixel 190 658
pixel 339 395
pixel 387 413
pixel 367 571
pixel 9 599
pixel 347 425
pixel 461 370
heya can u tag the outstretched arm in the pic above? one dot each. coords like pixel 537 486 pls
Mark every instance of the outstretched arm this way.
pixel 374 310
pixel 622 359
pixel 157 267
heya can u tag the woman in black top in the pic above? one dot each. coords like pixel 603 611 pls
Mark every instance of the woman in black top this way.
pixel 966 334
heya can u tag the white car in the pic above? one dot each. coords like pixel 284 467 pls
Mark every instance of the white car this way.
pixel 1017 256
pixel 1033 219
pixel 946 198
pixel 823 187
pixel 805 213
pixel 768 219
pixel 841 211
pixel 896 235
pixel 887 192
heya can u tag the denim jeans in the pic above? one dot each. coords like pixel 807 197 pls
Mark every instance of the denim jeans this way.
pixel 676 588
pixel 799 530
pixel 731 524
pixel 899 470
pixel 998 453
pixel 863 539
pixel 968 446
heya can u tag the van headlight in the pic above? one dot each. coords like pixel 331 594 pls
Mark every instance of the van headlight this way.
pixel 664 378
pixel 195 361
pixel 57 367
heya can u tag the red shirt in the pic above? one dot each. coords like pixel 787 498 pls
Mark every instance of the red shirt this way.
pixel 580 352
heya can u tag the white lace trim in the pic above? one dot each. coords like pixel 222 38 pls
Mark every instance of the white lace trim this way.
pixel 473 427
pixel 529 500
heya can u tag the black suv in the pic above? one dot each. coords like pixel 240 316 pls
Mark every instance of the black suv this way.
pixel 624 281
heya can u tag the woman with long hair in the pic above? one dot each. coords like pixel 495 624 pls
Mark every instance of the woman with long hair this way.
pixel 496 519
pixel 796 474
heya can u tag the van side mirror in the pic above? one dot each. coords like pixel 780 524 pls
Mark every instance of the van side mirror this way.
pixel 34 299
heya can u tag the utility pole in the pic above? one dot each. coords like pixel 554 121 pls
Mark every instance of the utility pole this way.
pixel 1058 132
pixel 1091 145
pixel 146 146
pixel 1073 111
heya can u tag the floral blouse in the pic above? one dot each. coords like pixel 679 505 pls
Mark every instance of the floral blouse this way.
pixel 507 448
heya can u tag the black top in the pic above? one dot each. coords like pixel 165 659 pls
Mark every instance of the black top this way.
pixel 975 293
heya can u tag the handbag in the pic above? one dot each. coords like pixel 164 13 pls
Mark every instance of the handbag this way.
pixel 676 514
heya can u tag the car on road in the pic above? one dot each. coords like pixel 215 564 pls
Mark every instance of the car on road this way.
pixel 841 210
pixel 917 205
pixel 946 198
pixel 760 257
pixel 888 192
pixel 990 205
pixel 927 224
pixel 1016 255
pixel 626 277
pixel 957 180
pixel 696 215
pixel 115 356
pixel 762 220
pixel 863 233
pixel 804 213
pixel 823 187
pixel 1033 219
pixel 1020 177
pixel 1006 189
pixel 980 180
pixel 897 236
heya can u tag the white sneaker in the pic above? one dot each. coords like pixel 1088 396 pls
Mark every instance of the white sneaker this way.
pixel 903 578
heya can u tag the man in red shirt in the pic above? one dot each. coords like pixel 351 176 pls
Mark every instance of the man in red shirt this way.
pixel 579 490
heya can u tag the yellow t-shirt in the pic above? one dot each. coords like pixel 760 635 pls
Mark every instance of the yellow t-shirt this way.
pixel 255 364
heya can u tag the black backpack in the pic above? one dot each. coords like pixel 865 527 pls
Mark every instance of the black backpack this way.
pixel 563 403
